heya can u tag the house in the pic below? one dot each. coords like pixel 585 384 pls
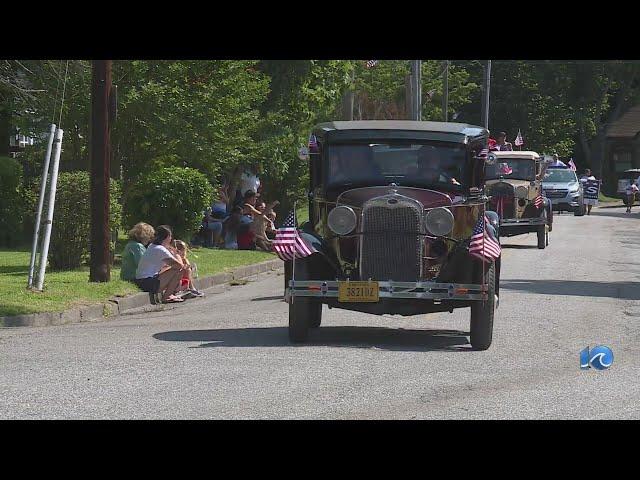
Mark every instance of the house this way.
pixel 622 145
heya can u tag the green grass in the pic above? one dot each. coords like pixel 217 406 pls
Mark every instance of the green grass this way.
pixel 64 290
pixel 603 198
pixel 302 214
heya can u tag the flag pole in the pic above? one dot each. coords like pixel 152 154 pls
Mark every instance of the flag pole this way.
pixel 293 262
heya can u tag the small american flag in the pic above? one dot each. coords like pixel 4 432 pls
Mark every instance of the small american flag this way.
pixel 483 153
pixel 288 243
pixel 313 141
pixel 518 142
pixel 481 245
pixel 371 63
pixel 538 201
pixel 572 165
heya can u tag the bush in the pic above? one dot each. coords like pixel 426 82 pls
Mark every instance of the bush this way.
pixel 12 208
pixel 71 229
pixel 169 196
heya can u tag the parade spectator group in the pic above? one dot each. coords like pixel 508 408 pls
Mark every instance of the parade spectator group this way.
pixel 157 263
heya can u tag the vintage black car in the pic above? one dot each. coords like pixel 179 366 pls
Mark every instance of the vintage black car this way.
pixel 393 207
pixel 514 187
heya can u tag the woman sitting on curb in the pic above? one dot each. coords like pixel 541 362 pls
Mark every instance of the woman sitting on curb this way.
pixel 159 271
pixel 139 237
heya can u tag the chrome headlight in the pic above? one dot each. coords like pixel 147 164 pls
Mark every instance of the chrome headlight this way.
pixel 342 220
pixel 522 192
pixel 439 221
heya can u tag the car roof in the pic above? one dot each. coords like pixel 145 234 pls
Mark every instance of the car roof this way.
pixel 527 154
pixel 408 125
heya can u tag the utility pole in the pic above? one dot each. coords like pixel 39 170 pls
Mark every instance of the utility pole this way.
pixel 486 86
pixel 445 89
pixel 100 269
pixel 416 90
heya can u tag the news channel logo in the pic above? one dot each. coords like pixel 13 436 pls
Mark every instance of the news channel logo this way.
pixel 599 357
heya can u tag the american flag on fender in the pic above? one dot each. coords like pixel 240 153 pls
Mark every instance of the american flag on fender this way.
pixel 538 201
pixel 371 63
pixel 482 246
pixel 483 153
pixel 288 243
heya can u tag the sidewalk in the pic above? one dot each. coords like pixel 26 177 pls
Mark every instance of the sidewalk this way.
pixel 119 305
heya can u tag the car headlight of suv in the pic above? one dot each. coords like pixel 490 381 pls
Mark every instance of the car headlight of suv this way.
pixel 522 192
pixel 342 220
pixel 439 221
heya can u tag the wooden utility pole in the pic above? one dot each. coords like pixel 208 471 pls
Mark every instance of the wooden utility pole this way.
pixel 486 87
pixel 416 90
pixel 100 269
pixel 445 88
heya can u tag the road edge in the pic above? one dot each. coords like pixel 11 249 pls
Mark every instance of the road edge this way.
pixel 119 305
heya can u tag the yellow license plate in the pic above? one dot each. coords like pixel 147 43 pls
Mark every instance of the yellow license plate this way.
pixel 358 291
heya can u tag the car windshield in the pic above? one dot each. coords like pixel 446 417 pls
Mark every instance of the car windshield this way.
pixel 559 175
pixel 517 168
pixel 416 165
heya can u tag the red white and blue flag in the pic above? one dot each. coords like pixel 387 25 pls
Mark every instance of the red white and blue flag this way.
pixel 572 165
pixel 288 243
pixel 481 245
pixel 371 63
pixel 518 142
pixel 538 201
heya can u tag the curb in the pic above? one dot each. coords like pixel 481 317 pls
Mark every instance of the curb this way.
pixel 116 306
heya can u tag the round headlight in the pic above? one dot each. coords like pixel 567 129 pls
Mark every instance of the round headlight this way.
pixel 522 192
pixel 342 220
pixel 439 221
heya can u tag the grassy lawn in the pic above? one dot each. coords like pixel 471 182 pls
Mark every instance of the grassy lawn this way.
pixel 64 290
pixel 603 198
pixel 303 214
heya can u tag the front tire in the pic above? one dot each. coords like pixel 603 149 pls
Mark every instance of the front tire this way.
pixel 579 211
pixel 542 234
pixel 301 317
pixel 482 314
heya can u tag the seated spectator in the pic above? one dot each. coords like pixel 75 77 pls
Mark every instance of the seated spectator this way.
pixel 212 224
pixel 261 223
pixel 231 226
pixel 271 226
pixel 186 283
pixel 159 270
pixel 139 237
pixel 245 235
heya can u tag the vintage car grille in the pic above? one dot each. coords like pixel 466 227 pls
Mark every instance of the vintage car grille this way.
pixel 503 199
pixel 556 193
pixel 391 245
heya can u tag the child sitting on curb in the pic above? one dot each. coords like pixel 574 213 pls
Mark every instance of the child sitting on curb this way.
pixel 186 283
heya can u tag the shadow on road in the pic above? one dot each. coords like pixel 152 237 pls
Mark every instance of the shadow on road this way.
pixel 349 337
pixel 617 214
pixel 518 247
pixel 623 290
pixel 262 299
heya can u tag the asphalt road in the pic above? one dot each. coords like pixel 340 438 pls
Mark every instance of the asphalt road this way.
pixel 227 356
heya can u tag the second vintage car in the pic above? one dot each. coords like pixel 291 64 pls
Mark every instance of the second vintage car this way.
pixel 514 187
pixel 398 218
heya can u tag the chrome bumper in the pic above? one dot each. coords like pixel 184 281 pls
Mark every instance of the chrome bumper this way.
pixel 388 289
pixel 514 222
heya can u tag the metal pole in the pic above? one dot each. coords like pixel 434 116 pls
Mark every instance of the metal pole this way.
pixel 44 253
pixel 43 187
pixel 487 87
pixel 416 89
pixel 445 97
pixel 100 264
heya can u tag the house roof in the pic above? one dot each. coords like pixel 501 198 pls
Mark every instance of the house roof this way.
pixel 626 126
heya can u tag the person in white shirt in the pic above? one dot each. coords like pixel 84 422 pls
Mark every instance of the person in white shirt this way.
pixel 589 202
pixel 160 269
pixel 631 191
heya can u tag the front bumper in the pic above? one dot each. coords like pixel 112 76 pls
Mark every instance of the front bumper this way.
pixel 569 200
pixel 390 289
pixel 516 222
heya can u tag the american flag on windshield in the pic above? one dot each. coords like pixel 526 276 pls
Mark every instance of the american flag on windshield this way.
pixel 482 246
pixel 288 243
